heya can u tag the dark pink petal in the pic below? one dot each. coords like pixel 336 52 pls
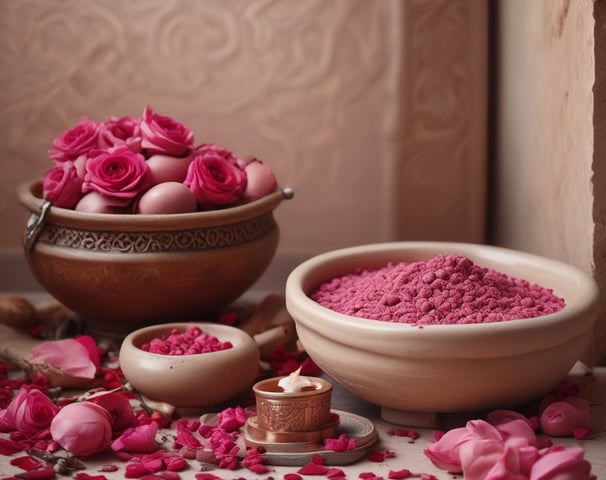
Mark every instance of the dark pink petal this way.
pixel 185 437
pixel 153 463
pixel 9 447
pixel 398 474
pixel 168 475
pixel 91 347
pixel 86 476
pixel 259 468
pixel 334 473
pixel 141 439
pixel 580 433
pixel 175 463
pixel 340 444
pixel 231 419
pixel 313 469
pixel 207 476
pixel 26 463
pixel 135 470
pixel 292 476
pixel 375 456
pixel 109 468
pixel 318 459
pixel 47 472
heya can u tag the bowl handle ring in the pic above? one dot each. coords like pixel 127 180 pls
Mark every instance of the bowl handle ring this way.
pixel 35 225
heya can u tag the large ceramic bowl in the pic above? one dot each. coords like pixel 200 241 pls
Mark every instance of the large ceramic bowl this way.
pixel 191 381
pixel 444 368
pixel 125 271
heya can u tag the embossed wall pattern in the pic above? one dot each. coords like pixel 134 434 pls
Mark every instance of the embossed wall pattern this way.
pixel 372 110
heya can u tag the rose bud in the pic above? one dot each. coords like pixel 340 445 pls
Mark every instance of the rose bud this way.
pixel 82 428
pixel 560 419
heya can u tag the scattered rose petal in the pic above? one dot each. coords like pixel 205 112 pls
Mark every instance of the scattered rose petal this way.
pixel 375 456
pixel 259 468
pixel 292 476
pixel 580 433
pixel 108 468
pixel 9 447
pixel 68 355
pixel 26 463
pixel 231 419
pixel 87 476
pixel 313 469
pixel 175 463
pixel 207 476
pixel 185 437
pixel 153 463
pixel 135 470
pixel 368 476
pixel 334 473
pixel 340 444
pixel 399 474
pixel 141 439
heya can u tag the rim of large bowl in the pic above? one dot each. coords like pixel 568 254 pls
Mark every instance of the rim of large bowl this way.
pixel 298 288
pixel 30 196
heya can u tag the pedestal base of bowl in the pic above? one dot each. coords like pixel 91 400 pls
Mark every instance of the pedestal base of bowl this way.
pixel 441 421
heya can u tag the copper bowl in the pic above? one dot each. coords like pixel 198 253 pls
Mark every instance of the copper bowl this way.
pixel 121 272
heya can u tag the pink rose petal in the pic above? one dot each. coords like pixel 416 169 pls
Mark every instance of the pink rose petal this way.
pixel 68 354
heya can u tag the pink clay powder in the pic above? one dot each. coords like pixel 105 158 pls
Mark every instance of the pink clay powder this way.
pixel 447 289
pixel 190 342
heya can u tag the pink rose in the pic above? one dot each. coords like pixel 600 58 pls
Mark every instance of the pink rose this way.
pixel 62 185
pixel 119 175
pixel 140 439
pixel 77 141
pixel 445 453
pixel 561 418
pixel 118 132
pixel 162 134
pixel 560 463
pixel 29 412
pixel 214 181
pixel 82 428
pixel 118 406
pixel 221 151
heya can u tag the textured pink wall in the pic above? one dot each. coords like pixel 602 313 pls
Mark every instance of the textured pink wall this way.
pixel 373 111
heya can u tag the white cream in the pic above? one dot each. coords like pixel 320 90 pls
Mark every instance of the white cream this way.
pixel 295 382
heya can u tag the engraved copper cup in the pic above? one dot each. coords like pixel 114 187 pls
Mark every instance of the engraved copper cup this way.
pixel 304 411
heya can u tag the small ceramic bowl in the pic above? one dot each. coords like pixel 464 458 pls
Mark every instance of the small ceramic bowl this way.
pixel 121 272
pixel 191 381
pixel 444 368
